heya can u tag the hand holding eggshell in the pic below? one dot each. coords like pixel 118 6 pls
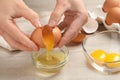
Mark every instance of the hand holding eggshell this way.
pixel 37 36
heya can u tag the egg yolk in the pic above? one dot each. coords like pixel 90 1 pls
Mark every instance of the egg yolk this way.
pixel 102 56
pixel 48 37
pixel 99 55
pixel 112 57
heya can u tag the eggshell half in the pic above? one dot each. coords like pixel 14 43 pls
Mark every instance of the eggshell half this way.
pixel 38 39
pixel 91 26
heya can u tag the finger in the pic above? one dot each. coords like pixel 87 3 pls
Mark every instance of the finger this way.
pixel 56 15
pixel 62 25
pixel 74 28
pixel 30 15
pixel 67 20
pixel 14 44
pixel 19 36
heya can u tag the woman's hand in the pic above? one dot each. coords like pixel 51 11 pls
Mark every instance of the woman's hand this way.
pixel 10 10
pixel 75 16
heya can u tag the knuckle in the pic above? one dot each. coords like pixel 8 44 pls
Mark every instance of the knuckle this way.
pixel 56 13
pixel 2 32
pixel 84 16
pixel 65 4
pixel 62 3
pixel 65 40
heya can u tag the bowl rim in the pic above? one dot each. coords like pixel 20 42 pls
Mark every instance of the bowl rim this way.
pixel 62 63
pixel 93 35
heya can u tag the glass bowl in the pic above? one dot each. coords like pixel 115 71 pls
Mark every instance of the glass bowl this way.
pixel 108 41
pixel 52 63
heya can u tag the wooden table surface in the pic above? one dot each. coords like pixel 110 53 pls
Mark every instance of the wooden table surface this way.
pixel 18 65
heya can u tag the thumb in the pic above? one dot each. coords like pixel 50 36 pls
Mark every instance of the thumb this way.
pixel 56 15
pixel 32 16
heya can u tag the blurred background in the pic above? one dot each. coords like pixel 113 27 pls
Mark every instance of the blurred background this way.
pixel 43 5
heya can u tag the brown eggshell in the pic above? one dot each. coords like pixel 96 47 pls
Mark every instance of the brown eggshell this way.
pixel 113 16
pixel 79 38
pixel 108 4
pixel 38 39
pixel 57 34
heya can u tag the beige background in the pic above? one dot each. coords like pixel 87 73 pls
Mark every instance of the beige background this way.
pixel 18 65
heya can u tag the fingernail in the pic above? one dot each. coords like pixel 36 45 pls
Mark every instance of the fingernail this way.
pixel 35 49
pixel 38 24
pixel 59 45
pixel 52 23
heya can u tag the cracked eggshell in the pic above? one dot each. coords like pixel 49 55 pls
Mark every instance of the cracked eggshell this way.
pixel 37 38
pixel 91 26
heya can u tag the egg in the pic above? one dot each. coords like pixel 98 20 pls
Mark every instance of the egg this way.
pixel 99 55
pixel 108 4
pixel 79 38
pixel 113 16
pixel 112 7
pixel 37 36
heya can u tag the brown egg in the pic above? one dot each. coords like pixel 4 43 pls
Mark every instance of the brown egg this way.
pixel 38 39
pixel 108 4
pixel 113 16
pixel 78 38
